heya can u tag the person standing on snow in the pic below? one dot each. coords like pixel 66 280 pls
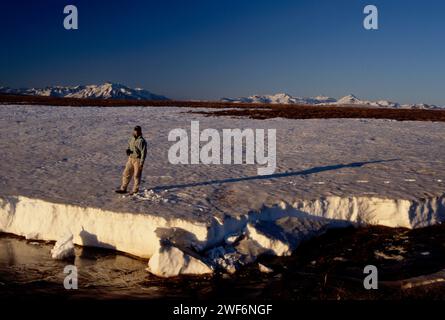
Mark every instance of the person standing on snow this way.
pixel 137 151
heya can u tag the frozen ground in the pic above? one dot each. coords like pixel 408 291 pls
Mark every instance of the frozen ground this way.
pixel 380 171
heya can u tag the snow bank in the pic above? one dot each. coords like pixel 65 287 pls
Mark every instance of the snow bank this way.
pixel 127 232
pixel 178 246
pixel 377 211
pixel 64 248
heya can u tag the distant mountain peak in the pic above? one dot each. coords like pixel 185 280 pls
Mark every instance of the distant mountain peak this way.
pixel 107 90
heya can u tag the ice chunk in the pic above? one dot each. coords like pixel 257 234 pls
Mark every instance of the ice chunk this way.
pixel 282 236
pixel 226 258
pixel 305 227
pixel 64 248
pixel 264 269
pixel 170 261
pixel 270 237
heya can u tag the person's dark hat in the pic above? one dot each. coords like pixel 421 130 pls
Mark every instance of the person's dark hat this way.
pixel 138 129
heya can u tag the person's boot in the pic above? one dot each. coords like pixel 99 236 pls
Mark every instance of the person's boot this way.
pixel 132 193
pixel 120 191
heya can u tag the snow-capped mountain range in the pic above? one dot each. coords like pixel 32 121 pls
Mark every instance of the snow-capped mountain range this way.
pixel 107 90
pixel 284 98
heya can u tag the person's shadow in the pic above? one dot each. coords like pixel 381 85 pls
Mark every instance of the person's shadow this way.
pixel 272 176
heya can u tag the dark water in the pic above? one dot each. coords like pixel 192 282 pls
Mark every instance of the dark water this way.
pixel 27 267
pixel 327 268
pixel 28 271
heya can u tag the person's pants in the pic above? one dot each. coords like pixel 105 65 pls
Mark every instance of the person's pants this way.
pixel 132 168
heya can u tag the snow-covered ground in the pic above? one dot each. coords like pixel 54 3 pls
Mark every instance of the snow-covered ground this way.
pixel 60 165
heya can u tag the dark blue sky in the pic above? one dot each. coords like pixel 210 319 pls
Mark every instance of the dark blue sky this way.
pixel 214 48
